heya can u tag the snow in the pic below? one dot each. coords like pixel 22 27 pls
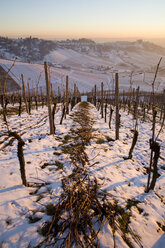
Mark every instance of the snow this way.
pixel 86 70
pixel 124 179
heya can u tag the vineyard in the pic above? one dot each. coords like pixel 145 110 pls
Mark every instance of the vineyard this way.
pixel 80 173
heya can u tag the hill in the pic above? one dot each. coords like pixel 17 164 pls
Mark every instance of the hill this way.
pixel 86 62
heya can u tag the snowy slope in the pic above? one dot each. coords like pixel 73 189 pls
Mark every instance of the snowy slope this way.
pixel 35 72
pixel 86 70
pixel 117 59
pixel 72 58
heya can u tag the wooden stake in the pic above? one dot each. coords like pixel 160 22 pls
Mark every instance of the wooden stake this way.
pixel 24 94
pixel 102 99
pixel 1 94
pixel 136 104
pixel 67 95
pixel 117 105
pixel 95 90
pixel 75 93
pixel 48 98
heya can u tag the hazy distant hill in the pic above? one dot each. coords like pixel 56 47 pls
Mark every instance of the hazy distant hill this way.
pixel 34 49
pixel 86 62
pixel 28 49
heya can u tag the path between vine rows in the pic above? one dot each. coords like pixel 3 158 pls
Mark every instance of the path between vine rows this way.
pixel 85 143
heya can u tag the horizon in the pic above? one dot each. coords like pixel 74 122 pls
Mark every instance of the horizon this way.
pixel 94 19
pixel 157 41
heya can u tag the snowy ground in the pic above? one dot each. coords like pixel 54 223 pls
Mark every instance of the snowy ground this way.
pixel 124 179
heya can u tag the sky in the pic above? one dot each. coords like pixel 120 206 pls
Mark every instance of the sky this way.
pixel 95 19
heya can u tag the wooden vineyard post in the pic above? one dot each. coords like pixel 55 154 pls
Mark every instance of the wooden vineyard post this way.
pixel 29 98
pixel 20 105
pixel 42 99
pixel 102 99
pixel 130 93
pixel 36 97
pixel 48 98
pixel 164 102
pixel 24 94
pixel 95 90
pixel 64 102
pixel 105 109
pixel 136 103
pixel 1 93
pixel 67 95
pixel 117 105
pixel 75 93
